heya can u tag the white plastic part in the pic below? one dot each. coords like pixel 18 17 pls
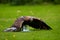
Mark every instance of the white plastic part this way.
pixel 25 29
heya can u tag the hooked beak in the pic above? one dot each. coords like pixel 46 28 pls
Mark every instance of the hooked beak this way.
pixel 12 29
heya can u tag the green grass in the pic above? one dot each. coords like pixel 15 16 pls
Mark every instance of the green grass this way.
pixel 48 13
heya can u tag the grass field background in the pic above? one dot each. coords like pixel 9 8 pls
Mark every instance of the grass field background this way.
pixel 48 13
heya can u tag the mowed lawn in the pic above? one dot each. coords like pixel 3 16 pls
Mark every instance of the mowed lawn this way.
pixel 50 14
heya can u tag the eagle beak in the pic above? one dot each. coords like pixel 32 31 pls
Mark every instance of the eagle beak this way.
pixel 10 29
